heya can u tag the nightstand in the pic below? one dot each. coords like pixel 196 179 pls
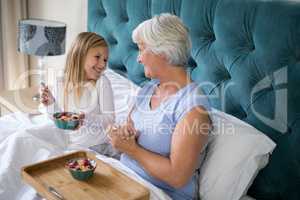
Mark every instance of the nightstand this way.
pixel 19 101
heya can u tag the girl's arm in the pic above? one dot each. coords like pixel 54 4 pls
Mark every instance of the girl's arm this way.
pixel 49 98
pixel 106 115
pixel 106 98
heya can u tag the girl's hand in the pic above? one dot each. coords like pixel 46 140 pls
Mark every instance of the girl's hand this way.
pixel 123 138
pixel 46 96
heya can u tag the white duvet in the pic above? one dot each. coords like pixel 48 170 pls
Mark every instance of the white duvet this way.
pixel 26 140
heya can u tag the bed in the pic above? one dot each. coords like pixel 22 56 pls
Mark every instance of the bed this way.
pixel 245 55
pixel 26 139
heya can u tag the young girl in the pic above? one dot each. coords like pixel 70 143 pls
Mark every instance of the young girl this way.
pixel 85 89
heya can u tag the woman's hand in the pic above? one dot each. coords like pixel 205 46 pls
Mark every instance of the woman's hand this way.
pixel 46 96
pixel 123 138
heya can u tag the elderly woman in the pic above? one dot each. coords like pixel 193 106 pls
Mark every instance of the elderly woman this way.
pixel 167 129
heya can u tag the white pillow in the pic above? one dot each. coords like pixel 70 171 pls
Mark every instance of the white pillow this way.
pixel 235 154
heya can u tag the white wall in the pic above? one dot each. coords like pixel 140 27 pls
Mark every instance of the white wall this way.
pixel 72 12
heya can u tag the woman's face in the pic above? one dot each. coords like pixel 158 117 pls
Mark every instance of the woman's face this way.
pixel 151 61
pixel 95 62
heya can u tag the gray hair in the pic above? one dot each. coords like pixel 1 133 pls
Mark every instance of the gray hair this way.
pixel 165 34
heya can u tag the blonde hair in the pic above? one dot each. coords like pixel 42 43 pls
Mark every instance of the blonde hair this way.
pixel 74 75
pixel 165 34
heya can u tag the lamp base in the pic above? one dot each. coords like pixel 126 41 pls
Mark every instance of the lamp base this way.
pixel 36 97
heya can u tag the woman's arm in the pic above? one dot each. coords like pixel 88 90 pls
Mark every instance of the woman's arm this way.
pixel 188 140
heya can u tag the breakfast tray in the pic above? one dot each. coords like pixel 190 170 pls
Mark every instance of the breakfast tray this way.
pixel 52 180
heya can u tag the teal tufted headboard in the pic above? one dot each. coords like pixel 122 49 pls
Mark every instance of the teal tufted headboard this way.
pixel 246 56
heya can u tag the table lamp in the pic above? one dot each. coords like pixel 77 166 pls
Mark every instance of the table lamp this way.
pixel 41 38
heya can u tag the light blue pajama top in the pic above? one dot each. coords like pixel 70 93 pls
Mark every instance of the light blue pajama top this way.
pixel 156 127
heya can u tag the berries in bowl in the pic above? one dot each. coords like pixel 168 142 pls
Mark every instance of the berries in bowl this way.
pixel 67 120
pixel 82 168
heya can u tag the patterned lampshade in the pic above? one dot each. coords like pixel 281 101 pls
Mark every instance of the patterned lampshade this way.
pixel 41 37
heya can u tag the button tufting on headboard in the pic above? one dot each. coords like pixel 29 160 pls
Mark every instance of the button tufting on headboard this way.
pixel 252 47
pixel 102 13
pixel 112 40
pixel 212 37
pixel 125 19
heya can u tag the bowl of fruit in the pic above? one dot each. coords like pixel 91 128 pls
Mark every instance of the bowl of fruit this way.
pixel 67 120
pixel 81 168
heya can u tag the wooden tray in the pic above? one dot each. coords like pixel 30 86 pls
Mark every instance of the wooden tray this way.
pixel 107 182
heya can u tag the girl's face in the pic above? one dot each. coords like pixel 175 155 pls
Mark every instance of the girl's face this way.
pixel 152 63
pixel 95 62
